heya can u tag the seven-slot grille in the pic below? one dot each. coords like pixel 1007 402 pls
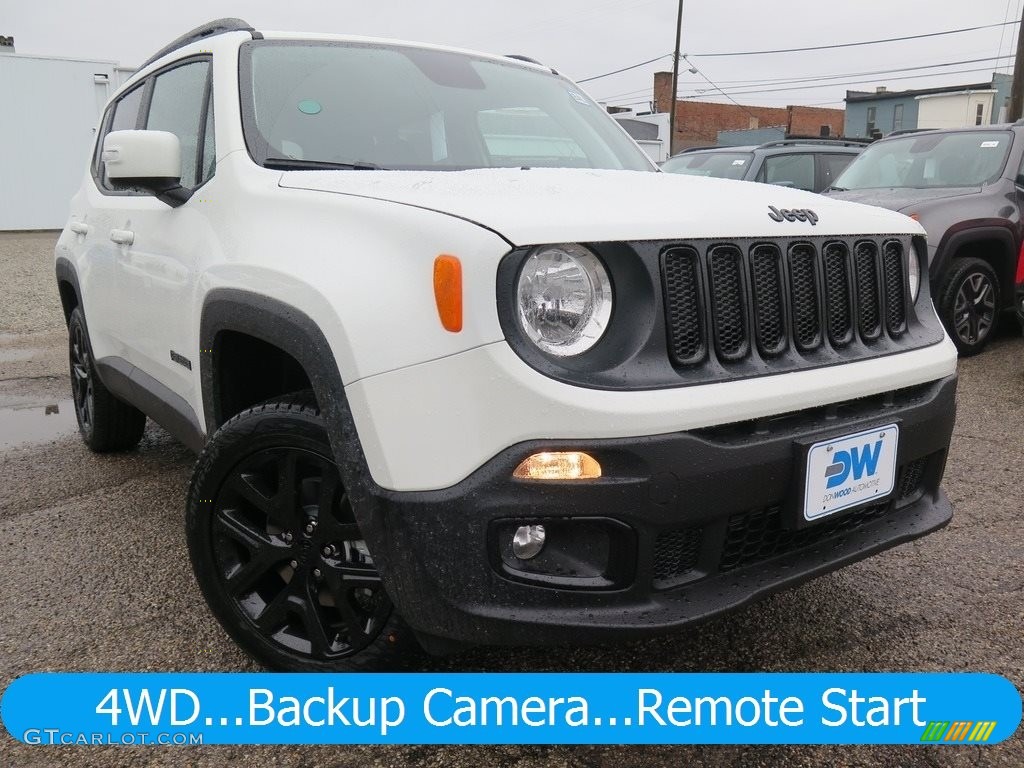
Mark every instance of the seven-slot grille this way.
pixel 733 302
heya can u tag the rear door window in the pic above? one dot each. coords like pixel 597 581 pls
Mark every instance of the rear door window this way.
pixel 795 171
pixel 831 165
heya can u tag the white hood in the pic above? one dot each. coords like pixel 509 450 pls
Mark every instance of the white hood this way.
pixel 547 205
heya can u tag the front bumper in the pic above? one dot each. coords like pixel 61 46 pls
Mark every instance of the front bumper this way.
pixel 688 524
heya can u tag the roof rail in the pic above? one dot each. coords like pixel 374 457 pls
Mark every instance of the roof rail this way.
pixel 530 60
pixel 905 131
pixel 696 149
pixel 521 57
pixel 827 142
pixel 217 27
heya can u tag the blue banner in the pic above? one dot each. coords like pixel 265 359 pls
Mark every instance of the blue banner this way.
pixel 529 708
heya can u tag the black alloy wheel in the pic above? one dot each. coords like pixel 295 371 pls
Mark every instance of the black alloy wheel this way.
pixel 969 304
pixel 290 556
pixel 105 422
pixel 277 550
pixel 81 378
pixel 975 310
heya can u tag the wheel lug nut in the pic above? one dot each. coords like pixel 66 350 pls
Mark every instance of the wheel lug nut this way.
pixel 317 574
pixel 311 526
pixel 294 564
pixel 327 551
pixel 287 536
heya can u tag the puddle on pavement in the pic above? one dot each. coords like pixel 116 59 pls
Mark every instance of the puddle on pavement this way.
pixel 25 424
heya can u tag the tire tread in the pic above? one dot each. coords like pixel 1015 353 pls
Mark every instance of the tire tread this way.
pixel 116 425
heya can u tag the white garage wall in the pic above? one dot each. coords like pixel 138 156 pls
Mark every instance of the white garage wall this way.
pixel 49 111
pixel 954 110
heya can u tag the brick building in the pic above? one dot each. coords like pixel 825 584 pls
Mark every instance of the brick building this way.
pixel 698 122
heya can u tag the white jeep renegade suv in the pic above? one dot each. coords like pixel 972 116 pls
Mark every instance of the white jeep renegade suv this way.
pixel 463 367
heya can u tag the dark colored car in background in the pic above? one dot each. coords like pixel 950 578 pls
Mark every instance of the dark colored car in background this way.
pixel 810 164
pixel 965 186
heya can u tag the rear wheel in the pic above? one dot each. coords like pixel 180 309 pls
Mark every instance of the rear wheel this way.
pixel 969 304
pixel 105 422
pixel 277 552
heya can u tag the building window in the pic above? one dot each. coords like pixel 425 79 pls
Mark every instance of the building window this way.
pixel 871 121
pixel 897 117
pixel 825 131
pixel 980 115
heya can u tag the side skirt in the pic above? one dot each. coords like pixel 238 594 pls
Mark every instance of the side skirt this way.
pixel 159 403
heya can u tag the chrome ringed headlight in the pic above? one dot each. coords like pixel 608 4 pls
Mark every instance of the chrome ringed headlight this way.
pixel 914 273
pixel 564 299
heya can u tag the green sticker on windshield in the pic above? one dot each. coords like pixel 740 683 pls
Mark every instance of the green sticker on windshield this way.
pixel 309 107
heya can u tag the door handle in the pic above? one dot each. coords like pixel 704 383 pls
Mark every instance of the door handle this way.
pixel 122 236
pixel 79 227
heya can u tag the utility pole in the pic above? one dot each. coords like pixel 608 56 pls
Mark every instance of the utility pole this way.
pixel 675 81
pixel 1017 92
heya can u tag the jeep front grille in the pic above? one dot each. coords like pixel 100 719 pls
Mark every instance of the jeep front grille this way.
pixel 728 303
pixel 684 309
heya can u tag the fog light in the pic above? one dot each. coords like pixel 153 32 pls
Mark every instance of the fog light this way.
pixel 528 541
pixel 569 465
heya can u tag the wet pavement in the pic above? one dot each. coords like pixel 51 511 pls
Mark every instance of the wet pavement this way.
pixel 26 424
pixel 95 576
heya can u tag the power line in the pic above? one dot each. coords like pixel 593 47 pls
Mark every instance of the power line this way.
pixel 863 42
pixel 700 72
pixel 871 74
pixel 797 88
pixel 847 82
pixel 786 80
pixel 789 81
pixel 1002 32
pixel 808 48
pixel 624 69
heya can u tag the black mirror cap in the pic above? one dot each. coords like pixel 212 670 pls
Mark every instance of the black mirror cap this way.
pixel 166 190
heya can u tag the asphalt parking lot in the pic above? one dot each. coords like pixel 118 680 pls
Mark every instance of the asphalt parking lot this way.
pixel 94 575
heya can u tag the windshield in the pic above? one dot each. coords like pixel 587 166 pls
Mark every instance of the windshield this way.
pixel 721 165
pixel 322 105
pixel 929 160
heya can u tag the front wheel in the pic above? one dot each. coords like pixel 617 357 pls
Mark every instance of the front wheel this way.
pixel 277 552
pixel 969 304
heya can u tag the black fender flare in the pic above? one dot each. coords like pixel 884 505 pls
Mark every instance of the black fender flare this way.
pixel 294 332
pixel 954 239
pixel 66 272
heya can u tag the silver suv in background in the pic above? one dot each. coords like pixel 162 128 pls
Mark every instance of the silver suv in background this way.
pixel 808 164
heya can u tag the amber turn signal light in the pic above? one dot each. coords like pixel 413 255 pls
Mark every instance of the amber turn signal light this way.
pixel 567 465
pixel 448 292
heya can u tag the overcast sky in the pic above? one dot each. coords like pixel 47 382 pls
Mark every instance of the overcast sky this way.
pixel 583 38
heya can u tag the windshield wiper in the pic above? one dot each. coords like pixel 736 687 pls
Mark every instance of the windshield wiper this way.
pixel 294 164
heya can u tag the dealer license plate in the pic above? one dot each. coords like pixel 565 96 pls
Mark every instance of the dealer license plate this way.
pixel 848 471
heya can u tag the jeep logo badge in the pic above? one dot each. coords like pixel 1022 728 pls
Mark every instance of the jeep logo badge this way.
pixel 792 214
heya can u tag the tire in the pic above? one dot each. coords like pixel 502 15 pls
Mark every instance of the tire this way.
pixel 105 422
pixel 969 304
pixel 276 549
